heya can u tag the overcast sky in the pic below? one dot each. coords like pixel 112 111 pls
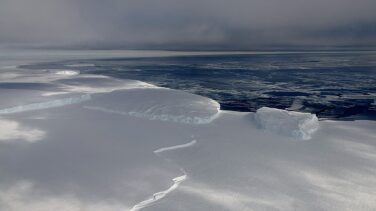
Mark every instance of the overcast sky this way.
pixel 188 24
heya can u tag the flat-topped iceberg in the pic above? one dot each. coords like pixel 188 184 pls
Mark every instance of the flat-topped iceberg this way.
pixel 296 124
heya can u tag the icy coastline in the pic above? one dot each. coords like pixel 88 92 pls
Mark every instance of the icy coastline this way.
pixel 72 141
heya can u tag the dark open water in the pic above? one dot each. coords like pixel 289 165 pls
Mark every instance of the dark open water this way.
pixel 332 85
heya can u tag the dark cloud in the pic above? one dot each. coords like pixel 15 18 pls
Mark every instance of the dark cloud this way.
pixel 182 24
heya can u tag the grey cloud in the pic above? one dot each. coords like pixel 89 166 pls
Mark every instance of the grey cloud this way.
pixel 181 24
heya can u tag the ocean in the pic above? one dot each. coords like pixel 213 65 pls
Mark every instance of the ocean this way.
pixel 335 85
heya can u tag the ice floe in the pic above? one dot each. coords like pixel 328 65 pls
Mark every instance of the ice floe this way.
pixel 67 72
pixel 158 104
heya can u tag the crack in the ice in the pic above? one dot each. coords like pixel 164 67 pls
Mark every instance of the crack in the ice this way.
pixel 177 180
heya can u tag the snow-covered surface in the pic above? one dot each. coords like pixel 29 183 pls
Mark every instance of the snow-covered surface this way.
pixel 85 142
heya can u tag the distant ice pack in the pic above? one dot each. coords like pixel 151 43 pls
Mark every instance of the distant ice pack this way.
pixel 290 123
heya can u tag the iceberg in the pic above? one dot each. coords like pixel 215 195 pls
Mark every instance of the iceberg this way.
pixel 290 123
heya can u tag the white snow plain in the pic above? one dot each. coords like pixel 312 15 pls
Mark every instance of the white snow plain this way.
pixel 86 142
